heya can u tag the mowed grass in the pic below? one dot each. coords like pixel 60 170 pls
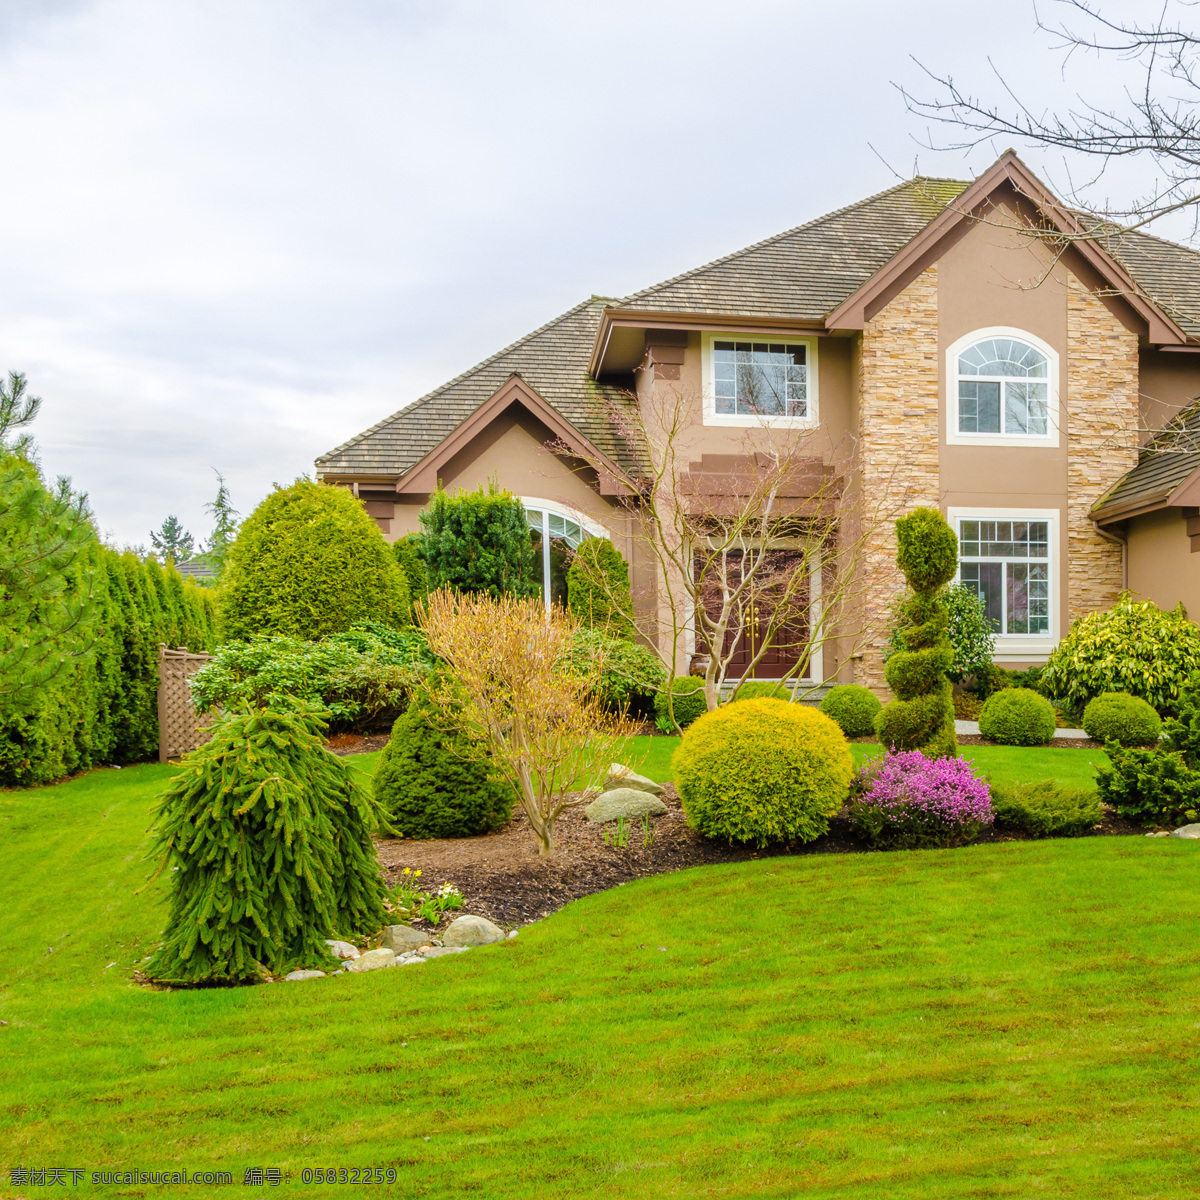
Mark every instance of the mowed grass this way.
pixel 1004 1020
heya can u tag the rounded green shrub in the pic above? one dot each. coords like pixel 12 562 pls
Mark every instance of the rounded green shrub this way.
pixel 763 771
pixel 1123 718
pixel 598 588
pixel 687 701
pixel 431 784
pixel 407 552
pixel 1017 717
pixel 631 674
pixel 308 562
pixel 763 689
pixel 854 708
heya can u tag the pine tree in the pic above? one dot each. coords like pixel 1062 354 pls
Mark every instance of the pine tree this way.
pixel 224 531
pixel 172 541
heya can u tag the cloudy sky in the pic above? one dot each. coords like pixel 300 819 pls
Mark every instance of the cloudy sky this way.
pixel 234 234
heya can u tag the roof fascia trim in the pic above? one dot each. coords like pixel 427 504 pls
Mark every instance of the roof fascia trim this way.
pixel 421 477
pixel 852 313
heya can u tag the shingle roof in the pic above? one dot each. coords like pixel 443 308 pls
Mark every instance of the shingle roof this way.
pixel 553 360
pixel 802 274
pixel 1163 464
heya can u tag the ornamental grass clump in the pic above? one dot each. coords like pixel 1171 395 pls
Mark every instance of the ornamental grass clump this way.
pixel 922 715
pixel 268 838
pixel 907 799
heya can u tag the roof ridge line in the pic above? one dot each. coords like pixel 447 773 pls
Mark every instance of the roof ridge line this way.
pixel 425 399
pixel 837 212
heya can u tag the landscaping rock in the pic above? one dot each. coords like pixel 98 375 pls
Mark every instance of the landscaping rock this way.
pixel 341 949
pixel 374 960
pixel 624 777
pixel 409 960
pixel 439 951
pixel 1187 831
pixel 295 975
pixel 472 931
pixel 1160 833
pixel 624 802
pixel 402 938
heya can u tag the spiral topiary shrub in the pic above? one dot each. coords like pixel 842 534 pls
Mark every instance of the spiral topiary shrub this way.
pixel 687 702
pixel 309 562
pixel 854 708
pixel 1017 717
pixel 429 787
pixel 922 715
pixel 269 841
pixel 762 689
pixel 763 771
pixel 1120 717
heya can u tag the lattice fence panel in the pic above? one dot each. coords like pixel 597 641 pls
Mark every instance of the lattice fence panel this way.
pixel 180 727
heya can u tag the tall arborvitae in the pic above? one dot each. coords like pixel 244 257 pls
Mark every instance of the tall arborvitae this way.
pixel 269 840
pixel 922 715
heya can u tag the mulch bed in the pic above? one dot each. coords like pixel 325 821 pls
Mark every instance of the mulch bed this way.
pixel 503 878
pixel 1058 743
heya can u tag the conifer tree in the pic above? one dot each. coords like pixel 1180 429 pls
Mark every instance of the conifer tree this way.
pixel 172 541
pixel 224 530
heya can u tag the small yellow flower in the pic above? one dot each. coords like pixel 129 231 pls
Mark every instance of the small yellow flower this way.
pixel 408 871
pixel 418 873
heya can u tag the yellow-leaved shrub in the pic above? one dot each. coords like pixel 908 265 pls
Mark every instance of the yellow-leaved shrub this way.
pixel 763 771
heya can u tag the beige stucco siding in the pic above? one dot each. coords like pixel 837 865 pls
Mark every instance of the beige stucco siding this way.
pixel 1168 381
pixel 1162 567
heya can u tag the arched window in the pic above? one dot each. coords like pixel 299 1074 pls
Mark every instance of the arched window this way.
pixel 1003 387
pixel 557 532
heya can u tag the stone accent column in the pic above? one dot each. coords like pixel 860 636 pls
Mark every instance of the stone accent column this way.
pixel 1102 441
pixel 898 446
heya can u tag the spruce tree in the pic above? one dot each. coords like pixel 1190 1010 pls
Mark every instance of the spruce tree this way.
pixel 172 542
pixel 224 530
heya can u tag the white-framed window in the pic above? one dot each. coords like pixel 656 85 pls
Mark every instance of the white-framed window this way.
pixel 751 379
pixel 1009 557
pixel 1002 390
pixel 557 531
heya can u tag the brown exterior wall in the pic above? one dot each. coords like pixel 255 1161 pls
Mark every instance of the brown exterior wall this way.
pixel 1167 382
pixel 1162 567
pixel 898 428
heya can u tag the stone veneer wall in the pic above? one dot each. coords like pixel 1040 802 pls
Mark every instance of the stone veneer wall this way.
pixel 898 445
pixel 1102 417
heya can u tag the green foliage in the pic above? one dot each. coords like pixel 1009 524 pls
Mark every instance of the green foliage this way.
pixel 763 771
pixel 269 841
pixel 1049 808
pixel 1134 647
pixel 968 628
pixel 407 551
pixel 686 703
pixel 922 715
pixel 361 676
pixel 598 588
pixel 632 674
pixel 224 530
pixel 479 542
pixel 762 689
pixel 431 786
pixel 854 708
pixel 1017 717
pixel 1154 786
pixel 309 562
pixel 172 542
pixel 1120 717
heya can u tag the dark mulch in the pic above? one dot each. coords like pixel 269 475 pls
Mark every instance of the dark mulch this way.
pixel 1058 743
pixel 502 877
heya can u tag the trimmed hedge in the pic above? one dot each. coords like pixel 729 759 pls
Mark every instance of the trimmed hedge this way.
pixel 1046 809
pixel 1120 717
pixel 854 708
pixel 309 562
pixel 429 785
pixel 762 689
pixel 687 701
pixel 1017 717
pixel 763 771
pixel 407 552
pixel 598 588
pixel 104 707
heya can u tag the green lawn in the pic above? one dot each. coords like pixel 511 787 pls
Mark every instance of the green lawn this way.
pixel 1003 1020
pixel 1002 764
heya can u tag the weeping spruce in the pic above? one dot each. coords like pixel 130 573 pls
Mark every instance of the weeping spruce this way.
pixel 922 715
pixel 268 838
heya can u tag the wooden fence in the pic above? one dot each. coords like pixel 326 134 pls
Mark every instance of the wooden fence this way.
pixel 180 727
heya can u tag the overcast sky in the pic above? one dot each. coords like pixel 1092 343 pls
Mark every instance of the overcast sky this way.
pixel 235 234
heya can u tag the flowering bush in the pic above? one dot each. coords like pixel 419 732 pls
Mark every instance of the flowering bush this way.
pixel 910 800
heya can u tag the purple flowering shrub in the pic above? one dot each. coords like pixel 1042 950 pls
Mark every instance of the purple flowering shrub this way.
pixel 910 800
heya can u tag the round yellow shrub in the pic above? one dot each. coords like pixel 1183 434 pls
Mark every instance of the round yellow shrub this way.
pixel 763 771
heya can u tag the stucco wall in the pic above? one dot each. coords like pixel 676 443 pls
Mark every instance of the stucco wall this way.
pixel 1162 566
pixel 1168 381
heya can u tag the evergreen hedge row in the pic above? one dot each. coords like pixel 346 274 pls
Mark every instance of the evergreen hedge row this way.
pixel 104 707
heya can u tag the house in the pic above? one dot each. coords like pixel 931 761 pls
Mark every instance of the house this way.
pixel 983 353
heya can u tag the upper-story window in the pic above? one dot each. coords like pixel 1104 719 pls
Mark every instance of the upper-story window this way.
pixel 1002 388
pixel 753 380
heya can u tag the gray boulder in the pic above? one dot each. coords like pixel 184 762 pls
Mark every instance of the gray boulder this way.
pixel 1187 831
pixel 623 777
pixel 296 975
pixel 472 931
pixel 341 949
pixel 402 938
pixel 624 802
pixel 441 951
pixel 373 960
